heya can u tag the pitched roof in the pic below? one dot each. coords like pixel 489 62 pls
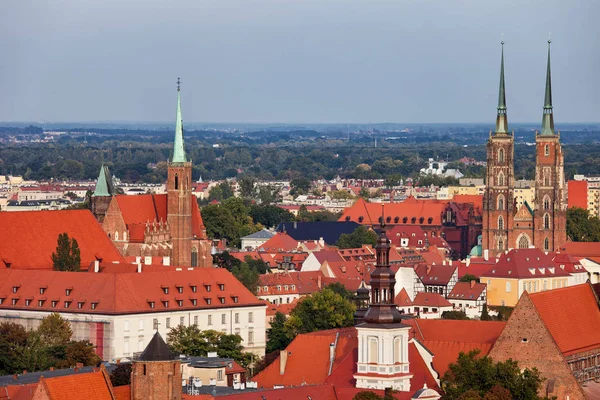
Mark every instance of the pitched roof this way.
pixel 28 238
pixel 582 249
pixel 410 211
pixel 569 263
pixel 476 199
pixel 525 263
pixel 122 392
pixel 263 234
pixel 435 274
pixel 430 300
pixel 475 266
pixel 403 299
pixel 281 241
pixel 330 231
pixel 90 386
pixel 467 291
pixel 573 332
pixel 141 209
pixel 157 350
pixel 123 293
pixel 328 255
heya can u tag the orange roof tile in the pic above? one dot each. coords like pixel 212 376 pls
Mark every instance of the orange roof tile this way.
pixel 122 392
pixel 447 330
pixel 281 241
pixel 446 353
pixel 525 263
pixel 90 386
pixel 467 291
pixel 582 249
pixel 431 300
pixel 410 211
pixel 122 293
pixel 572 331
pixel 402 299
pixel 28 238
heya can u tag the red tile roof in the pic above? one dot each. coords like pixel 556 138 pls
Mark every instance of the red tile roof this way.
pixel 467 291
pixel 18 392
pixel 402 299
pixel 582 249
pixel 314 392
pixel 90 386
pixel 476 199
pixel 569 263
pixel 439 275
pixel 328 255
pixel 28 238
pixel 122 392
pixel 525 263
pixel 430 300
pixel 476 266
pixel 281 241
pixel 572 316
pixel 122 293
pixel 415 235
pixel 141 209
pixel 411 209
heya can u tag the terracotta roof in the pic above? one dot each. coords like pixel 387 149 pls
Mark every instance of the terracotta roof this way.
pixel 569 263
pixel 284 308
pixel 525 263
pixel 141 209
pixel 467 291
pixel 402 299
pixel 279 242
pixel 439 275
pixel 28 238
pixel 573 332
pixel 122 293
pixel 476 199
pixel 328 255
pixel 431 300
pixel 582 249
pixel 122 392
pixel 90 386
pixel 18 392
pixel 314 392
pixel 446 353
pixel 415 237
pixel 476 266
pixel 412 209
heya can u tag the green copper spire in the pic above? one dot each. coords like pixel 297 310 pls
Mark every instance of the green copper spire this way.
pixel 501 119
pixel 178 150
pixel 104 185
pixel 548 118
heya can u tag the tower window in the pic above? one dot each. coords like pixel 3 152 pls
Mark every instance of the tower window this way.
pixel 194 257
pixel 500 222
pixel 546 245
pixel 176 182
pixel 500 244
pixel 547 149
pixel 523 242
pixel 500 179
pixel 546 181
pixel 546 203
pixel 501 155
pixel 546 221
pixel 500 202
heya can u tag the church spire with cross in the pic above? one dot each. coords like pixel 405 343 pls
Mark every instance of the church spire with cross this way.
pixel 178 149
pixel 501 119
pixel 548 117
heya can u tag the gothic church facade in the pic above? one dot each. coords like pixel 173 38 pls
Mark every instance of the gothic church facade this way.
pixel 541 224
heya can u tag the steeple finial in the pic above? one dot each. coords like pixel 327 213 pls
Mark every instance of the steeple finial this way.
pixel 178 150
pixel 501 119
pixel 548 118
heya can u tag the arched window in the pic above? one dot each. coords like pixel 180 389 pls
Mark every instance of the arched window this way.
pixel 404 220
pixel 176 182
pixel 547 150
pixel 194 257
pixel 500 222
pixel 500 179
pixel 501 244
pixel 116 235
pixel 546 221
pixel 500 202
pixel 546 203
pixel 413 220
pixel 546 180
pixel 373 351
pixel 523 242
pixel 501 155
pixel 547 244
pixel 398 349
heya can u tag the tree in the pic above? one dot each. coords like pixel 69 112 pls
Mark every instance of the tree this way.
pixel 324 309
pixel 469 278
pixel 485 315
pixel 581 227
pixel 121 375
pixel 340 289
pixel 226 190
pixel 341 195
pixel 230 346
pixel 393 180
pixel 264 362
pixel 80 351
pixel 215 193
pixel 247 276
pixel 461 315
pixel 276 334
pixel 367 395
pixel 247 183
pixel 256 264
pixel 13 338
pixel 361 235
pixel 299 186
pixel 54 330
pixel 364 193
pixel 67 256
pixel 473 376
pixel 226 260
pixel 270 216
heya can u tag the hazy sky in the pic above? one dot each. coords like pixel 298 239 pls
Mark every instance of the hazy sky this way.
pixel 296 60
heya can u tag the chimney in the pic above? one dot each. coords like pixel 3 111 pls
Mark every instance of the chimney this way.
pixel 450 262
pixel 138 259
pixel 468 262
pixel 283 356
pixel 24 371
pixel 321 242
pixel 486 254
pixel 139 268
pixel 295 225
pixel 319 283
pixel 472 284
pixel 96 266
pixel 79 365
pixel 51 368
pixel 166 260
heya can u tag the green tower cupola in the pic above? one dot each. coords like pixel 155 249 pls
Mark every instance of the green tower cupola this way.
pixel 548 118
pixel 178 150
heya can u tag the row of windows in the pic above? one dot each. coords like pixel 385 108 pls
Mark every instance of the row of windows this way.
pixel 194 288
pixel 535 286
pixel 53 303
pixel 266 288
pixel 168 325
pixel 546 221
pixel 501 156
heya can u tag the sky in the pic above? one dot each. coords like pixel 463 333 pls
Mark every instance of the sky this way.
pixel 296 61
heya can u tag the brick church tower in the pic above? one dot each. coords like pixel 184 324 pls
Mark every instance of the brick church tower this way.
pixel 179 196
pixel 156 374
pixel 103 194
pixel 550 217
pixel 498 204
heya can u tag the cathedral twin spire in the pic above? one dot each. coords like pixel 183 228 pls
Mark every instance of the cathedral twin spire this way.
pixel 178 150
pixel 547 119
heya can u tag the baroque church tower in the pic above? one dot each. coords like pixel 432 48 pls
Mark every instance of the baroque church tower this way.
pixel 550 218
pixel 179 196
pixel 498 204
pixel 382 337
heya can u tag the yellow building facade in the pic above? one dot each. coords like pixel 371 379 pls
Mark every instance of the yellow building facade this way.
pixel 507 291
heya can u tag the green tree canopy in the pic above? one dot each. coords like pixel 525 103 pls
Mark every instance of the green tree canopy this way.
pixel 468 278
pixel 121 375
pixel 472 375
pixel 461 315
pixel 324 309
pixel 67 256
pixel 270 216
pixel 581 227
pixel 247 276
pixel 276 334
pixel 247 184
pixel 55 330
pixel 361 235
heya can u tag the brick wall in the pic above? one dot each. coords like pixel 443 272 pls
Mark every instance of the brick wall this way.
pixel 156 380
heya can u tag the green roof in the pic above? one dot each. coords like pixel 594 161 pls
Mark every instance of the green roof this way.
pixel 178 150
pixel 104 185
